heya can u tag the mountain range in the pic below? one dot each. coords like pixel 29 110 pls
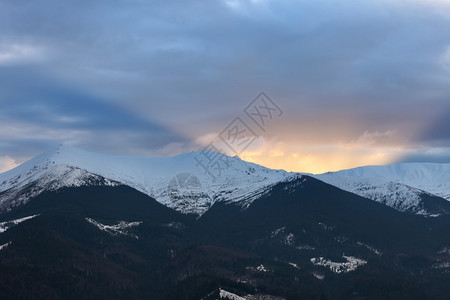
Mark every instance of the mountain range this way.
pixel 420 188
pixel 76 224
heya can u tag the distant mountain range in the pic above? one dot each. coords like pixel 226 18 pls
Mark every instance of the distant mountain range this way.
pixel 421 188
pixel 75 224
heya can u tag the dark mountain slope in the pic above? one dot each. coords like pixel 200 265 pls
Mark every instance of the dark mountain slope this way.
pixel 304 239
pixel 307 204
pixel 104 202
pixel 306 219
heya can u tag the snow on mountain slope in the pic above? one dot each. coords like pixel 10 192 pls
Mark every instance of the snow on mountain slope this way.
pixel 177 182
pixel 120 228
pixel 430 177
pixel 8 224
pixel 16 187
pixel 398 196
pixel 180 183
pixel 401 186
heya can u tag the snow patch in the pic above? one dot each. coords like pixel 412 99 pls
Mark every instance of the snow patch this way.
pixel 4 245
pixel 120 228
pixel 445 250
pixel 230 296
pixel 289 239
pixel 260 268
pixel 351 264
pixel 374 250
pixel 318 276
pixel 294 265
pixel 8 224
pixel 296 181
pixel 276 232
pixel 442 265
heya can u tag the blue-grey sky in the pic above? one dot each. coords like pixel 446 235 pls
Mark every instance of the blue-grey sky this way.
pixel 360 82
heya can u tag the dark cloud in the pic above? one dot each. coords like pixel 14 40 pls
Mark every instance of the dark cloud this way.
pixel 154 71
pixel 437 132
pixel 424 156
pixel 46 112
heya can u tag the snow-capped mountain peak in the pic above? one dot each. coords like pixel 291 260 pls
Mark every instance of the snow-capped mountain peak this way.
pixel 155 176
pixel 430 177
pixel 404 186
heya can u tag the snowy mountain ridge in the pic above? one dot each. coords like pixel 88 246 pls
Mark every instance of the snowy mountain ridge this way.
pixel 20 187
pixel 433 178
pixel 176 182
pixel 179 183
pixel 401 186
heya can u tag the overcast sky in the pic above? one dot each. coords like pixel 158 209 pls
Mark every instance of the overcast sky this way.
pixel 359 82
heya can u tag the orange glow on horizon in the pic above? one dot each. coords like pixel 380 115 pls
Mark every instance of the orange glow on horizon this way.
pixel 323 160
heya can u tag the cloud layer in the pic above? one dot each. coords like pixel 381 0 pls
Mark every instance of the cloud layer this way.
pixel 360 81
